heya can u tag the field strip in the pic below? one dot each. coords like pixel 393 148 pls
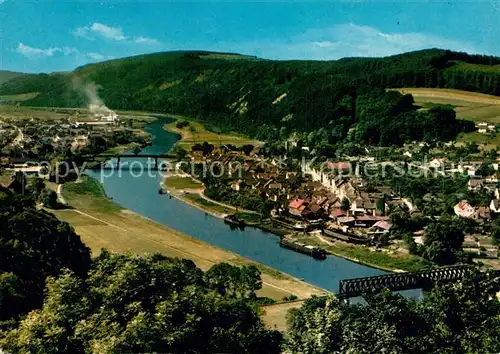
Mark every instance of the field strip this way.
pixel 186 254
pixel 452 95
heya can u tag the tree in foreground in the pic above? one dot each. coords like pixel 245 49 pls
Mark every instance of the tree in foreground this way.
pixel 144 304
pixel 456 318
pixel 34 244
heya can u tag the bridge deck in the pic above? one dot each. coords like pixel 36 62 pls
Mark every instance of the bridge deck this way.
pixel 401 281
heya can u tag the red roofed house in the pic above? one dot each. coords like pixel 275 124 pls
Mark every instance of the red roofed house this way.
pixel 338 165
pixel 294 206
pixel 381 227
pixel 466 210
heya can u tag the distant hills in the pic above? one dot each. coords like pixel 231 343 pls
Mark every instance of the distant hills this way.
pixel 247 93
pixel 8 75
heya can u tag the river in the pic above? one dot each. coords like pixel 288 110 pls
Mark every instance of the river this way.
pixel 140 194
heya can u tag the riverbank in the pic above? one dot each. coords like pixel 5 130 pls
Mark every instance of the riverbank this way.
pixel 103 224
pixel 190 191
pixel 386 260
pixel 391 262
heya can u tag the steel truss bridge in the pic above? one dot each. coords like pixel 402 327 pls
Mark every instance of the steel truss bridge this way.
pixel 425 279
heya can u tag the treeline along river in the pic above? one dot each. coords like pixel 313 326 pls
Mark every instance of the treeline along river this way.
pixel 140 194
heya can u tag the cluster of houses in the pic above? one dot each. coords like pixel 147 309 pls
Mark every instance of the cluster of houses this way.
pixel 35 135
pixel 486 128
pixel 309 196
pixel 480 214
pixel 334 196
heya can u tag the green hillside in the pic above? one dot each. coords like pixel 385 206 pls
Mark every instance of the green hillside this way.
pixel 8 75
pixel 323 102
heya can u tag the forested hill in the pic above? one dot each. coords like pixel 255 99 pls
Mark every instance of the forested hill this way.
pixel 8 75
pixel 268 99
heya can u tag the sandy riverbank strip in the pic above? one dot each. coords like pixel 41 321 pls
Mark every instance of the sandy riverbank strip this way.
pixel 125 231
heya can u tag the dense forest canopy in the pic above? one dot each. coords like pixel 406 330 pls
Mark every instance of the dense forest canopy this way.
pixel 265 98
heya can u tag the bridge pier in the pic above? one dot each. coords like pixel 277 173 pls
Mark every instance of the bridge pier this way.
pixel 156 163
pixel 118 163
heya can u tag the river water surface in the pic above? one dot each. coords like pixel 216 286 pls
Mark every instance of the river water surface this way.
pixel 140 194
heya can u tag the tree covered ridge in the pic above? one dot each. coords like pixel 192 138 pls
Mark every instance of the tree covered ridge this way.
pixel 259 97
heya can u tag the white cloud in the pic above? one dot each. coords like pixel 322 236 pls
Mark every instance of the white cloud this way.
pixel 98 56
pixel 326 44
pixel 100 30
pixel 346 40
pixel 113 33
pixel 82 32
pixel 32 52
pixel 146 40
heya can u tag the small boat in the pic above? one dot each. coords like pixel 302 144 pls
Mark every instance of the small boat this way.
pixel 160 191
pixel 235 221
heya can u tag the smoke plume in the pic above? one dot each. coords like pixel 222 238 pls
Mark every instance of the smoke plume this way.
pixel 94 102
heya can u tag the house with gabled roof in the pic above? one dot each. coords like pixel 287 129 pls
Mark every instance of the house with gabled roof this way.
pixel 466 210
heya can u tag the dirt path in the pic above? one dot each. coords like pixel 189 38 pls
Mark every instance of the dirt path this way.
pixel 59 195
pixel 274 316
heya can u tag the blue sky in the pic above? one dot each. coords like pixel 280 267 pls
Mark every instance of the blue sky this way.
pixel 48 35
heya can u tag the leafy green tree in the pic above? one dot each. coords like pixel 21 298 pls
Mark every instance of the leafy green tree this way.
pixel 460 317
pixel 34 245
pixel 442 240
pixel 180 152
pixel 316 330
pixel 239 283
pixel 345 205
pixel 140 304
pixel 49 198
pixel 37 185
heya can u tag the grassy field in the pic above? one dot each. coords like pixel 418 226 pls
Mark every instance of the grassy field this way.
pixel 18 98
pixel 476 107
pixel 103 224
pixel 177 182
pixel 196 133
pixel 207 204
pixel 121 148
pixel 88 194
pixel 362 254
pixel 15 113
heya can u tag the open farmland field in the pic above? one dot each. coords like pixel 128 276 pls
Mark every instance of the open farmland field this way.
pixel 476 107
pixel 16 113
pixel 196 133
pixel 18 98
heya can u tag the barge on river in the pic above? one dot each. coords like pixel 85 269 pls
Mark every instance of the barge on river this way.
pixel 313 251
pixel 233 220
